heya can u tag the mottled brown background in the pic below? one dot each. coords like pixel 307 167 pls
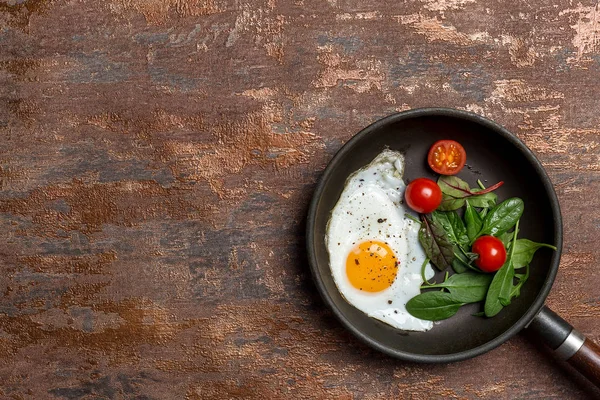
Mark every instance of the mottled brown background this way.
pixel 157 158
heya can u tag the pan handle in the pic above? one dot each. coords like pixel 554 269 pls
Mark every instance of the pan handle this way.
pixel 567 343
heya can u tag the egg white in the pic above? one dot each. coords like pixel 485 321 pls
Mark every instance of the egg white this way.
pixel 370 208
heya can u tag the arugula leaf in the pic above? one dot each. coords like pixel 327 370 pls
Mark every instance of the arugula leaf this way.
pixel 433 306
pixel 435 242
pixel 499 293
pixel 454 227
pixel 503 217
pixel 469 287
pixel 473 222
pixel 524 251
pixel 521 279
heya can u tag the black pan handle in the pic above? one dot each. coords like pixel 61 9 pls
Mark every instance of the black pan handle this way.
pixel 567 343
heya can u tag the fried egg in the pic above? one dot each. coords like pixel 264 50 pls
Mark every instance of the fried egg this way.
pixel 374 252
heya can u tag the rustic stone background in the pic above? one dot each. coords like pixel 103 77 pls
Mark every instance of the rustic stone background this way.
pixel 157 159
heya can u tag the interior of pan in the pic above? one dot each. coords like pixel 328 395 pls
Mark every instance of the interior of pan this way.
pixel 493 155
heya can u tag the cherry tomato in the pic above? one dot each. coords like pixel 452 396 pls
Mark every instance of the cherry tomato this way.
pixel 491 251
pixel 423 195
pixel 446 157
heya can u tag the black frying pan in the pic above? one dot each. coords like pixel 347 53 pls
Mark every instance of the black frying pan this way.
pixel 493 154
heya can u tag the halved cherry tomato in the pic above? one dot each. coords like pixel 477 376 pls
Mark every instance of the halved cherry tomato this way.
pixel 423 195
pixel 491 251
pixel 446 157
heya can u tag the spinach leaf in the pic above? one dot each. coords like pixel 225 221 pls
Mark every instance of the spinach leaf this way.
pixel 499 285
pixel 450 203
pixel 506 239
pixel 483 213
pixel 499 293
pixel 469 287
pixel 455 191
pixel 454 186
pixel 435 242
pixel 433 306
pixel 473 222
pixel 507 287
pixel 524 251
pixel 463 261
pixel 486 200
pixel 522 254
pixel 454 227
pixel 459 265
pixel 503 217
pixel 463 288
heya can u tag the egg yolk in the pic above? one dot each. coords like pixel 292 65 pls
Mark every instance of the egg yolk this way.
pixel 371 266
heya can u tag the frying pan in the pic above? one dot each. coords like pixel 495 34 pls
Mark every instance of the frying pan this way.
pixel 493 154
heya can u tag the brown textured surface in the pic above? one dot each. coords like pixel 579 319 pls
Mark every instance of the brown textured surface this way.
pixel 587 360
pixel 156 162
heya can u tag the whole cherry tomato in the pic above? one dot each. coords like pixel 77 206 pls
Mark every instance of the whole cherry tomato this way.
pixel 423 195
pixel 491 251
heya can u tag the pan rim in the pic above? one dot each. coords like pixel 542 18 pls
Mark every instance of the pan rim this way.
pixel 533 309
